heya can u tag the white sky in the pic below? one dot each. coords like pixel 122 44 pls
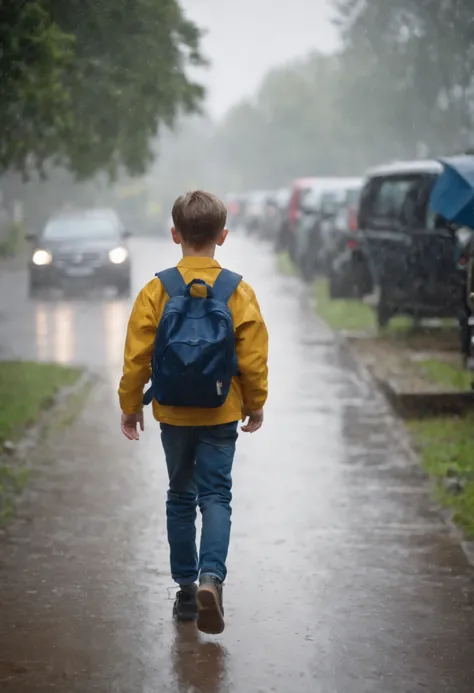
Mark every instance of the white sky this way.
pixel 248 37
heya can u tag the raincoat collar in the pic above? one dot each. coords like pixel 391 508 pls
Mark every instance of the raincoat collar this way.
pixel 193 262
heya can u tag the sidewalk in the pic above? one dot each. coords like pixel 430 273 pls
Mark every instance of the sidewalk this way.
pixel 343 576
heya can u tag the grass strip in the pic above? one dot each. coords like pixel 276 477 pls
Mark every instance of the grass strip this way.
pixel 446 446
pixel 26 390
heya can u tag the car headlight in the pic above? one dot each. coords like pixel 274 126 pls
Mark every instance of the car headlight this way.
pixel 42 257
pixel 118 255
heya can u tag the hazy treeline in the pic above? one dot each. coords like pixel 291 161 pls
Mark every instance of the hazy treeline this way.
pixel 96 88
pixel 402 86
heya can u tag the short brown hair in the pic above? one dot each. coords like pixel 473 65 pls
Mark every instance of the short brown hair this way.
pixel 199 218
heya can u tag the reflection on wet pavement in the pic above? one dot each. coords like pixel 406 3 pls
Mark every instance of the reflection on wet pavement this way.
pixel 343 578
pixel 198 666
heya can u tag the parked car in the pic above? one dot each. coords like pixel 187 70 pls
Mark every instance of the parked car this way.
pixel 319 205
pixel 413 254
pixel 275 214
pixel 78 250
pixel 299 189
pixel 467 327
pixel 346 267
pixel 236 204
pixel 255 211
pixel 339 209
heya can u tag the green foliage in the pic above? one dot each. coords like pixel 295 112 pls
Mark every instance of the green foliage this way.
pixel 34 55
pixel 89 83
pixel 408 71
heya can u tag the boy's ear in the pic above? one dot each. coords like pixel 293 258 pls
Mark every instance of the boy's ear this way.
pixel 222 236
pixel 175 236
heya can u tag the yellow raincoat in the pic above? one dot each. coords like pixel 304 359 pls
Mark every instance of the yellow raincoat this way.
pixel 248 391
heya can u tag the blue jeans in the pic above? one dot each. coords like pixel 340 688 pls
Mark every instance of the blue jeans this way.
pixel 199 461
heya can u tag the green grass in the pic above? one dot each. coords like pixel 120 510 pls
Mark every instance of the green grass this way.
pixel 354 315
pixel 446 447
pixel 342 314
pixel 285 264
pixel 26 388
pixel 449 375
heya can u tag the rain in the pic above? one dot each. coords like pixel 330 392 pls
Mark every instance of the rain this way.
pixel 339 136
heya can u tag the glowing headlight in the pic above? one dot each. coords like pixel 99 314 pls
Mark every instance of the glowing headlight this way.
pixel 42 257
pixel 118 255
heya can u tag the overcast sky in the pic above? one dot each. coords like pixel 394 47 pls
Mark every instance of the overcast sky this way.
pixel 247 37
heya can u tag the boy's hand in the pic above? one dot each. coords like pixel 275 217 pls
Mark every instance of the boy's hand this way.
pixel 130 423
pixel 254 421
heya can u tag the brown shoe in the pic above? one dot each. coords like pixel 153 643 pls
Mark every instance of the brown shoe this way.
pixel 210 618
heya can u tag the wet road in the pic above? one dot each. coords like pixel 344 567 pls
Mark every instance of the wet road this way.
pixel 342 576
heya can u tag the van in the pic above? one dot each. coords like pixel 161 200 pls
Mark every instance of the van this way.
pixel 411 252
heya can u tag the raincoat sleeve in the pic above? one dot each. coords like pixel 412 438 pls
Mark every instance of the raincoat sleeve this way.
pixel 139 343
pixel 252 353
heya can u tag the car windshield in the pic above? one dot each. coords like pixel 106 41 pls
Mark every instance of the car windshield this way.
pixel 74 228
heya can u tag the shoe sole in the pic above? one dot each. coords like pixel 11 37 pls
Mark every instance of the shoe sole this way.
pixel 210 619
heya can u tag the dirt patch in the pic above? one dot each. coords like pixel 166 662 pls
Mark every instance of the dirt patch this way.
pixel 401 363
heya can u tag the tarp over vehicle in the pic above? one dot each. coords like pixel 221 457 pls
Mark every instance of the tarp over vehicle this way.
pixel 452 196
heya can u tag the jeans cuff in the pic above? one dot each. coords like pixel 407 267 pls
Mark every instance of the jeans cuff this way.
pixel 185 581
pixel 211 573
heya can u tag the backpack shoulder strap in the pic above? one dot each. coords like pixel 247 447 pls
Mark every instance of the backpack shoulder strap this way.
pixel 225 285
pixel 172 281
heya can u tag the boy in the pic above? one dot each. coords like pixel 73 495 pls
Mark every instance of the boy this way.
pixel 198 441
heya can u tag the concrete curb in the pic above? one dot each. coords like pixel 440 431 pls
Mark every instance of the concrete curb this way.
pixel 411 405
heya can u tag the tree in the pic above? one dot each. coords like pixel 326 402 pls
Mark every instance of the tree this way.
pixel 409 70
pixel 34 54
pixel 291 128
pixel 88 84
pixel 401 87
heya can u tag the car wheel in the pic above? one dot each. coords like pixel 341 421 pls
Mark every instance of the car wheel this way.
pixel 363 281
pixel 337 286
pixel 383 312
pixel 467 342
pixel 307 269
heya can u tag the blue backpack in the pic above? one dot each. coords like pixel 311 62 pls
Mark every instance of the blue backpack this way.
pixel 194 357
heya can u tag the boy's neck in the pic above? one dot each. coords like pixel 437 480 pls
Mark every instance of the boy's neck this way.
pixel 209 251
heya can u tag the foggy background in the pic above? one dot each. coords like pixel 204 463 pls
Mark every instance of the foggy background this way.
pixel 244 40
pixel 301 88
